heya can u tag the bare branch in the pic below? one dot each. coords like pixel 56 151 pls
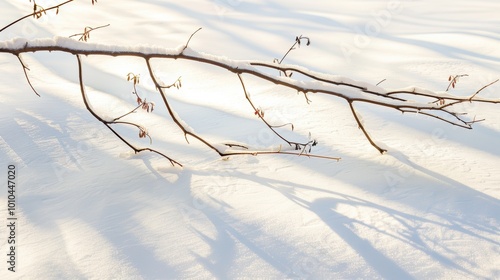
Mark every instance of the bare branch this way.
pixel 86 32
pixel 190 37
pixel 177 84
pixel 454 80
pixel 344 88
pixel 279 152
pixel 26 74
pixel 383 80
pixel 260 114
pixel 481 89
pixel 297 42
pixel 35 12
pixel 126 114
pixel 174 115
pixel 361 126
pixel 107 123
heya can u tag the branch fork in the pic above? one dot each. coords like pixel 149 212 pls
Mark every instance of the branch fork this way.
pixel 320 83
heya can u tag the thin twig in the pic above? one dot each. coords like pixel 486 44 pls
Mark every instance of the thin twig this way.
pixel 261 116
pixel 360 125
pixel 331 87
pixel 297 42
pixel 230 145
pixel 126 114
pixel 477 92
pixel 255 153
pixel 171 112
pixel 381 82
pixel 107 123
pixel 189 40
pixel 454 80
pixel 186 132
pixel 86 32
pixel 141 128
pixel 26 74
pixel 176 84
pixel 461 123
pixel 34 13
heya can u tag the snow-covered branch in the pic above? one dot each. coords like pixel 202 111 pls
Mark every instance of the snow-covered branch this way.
pixel 438 105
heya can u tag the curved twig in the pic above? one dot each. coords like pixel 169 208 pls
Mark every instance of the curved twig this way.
pixel 107 123
pixel 26 74
pixel 190 37
pixel 86 32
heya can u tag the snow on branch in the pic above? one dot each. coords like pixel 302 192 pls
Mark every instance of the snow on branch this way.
pixel 436 104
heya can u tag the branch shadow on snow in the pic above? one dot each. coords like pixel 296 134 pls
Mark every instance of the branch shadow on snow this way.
pixel 231 231
pixel 51 197
pixel 111 208
pixel 107 207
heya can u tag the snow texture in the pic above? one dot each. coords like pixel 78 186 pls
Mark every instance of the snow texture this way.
pixel 89 208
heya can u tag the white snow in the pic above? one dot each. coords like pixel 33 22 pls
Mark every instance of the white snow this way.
pixel 428 209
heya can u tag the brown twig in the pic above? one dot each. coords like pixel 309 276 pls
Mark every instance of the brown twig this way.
pixel 107 123
pixel 297 42
pixel 329 85
pixel 177 84
pixel 189 40
pixel 362 127
pixel 481 89
pixel 383 80
pixel 26 74
pixel 35 13
pixel 187 131
pixel 453 80
pixel 260 114
pixel 86 32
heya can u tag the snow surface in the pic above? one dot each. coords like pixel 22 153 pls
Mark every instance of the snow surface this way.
pixel 90 208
